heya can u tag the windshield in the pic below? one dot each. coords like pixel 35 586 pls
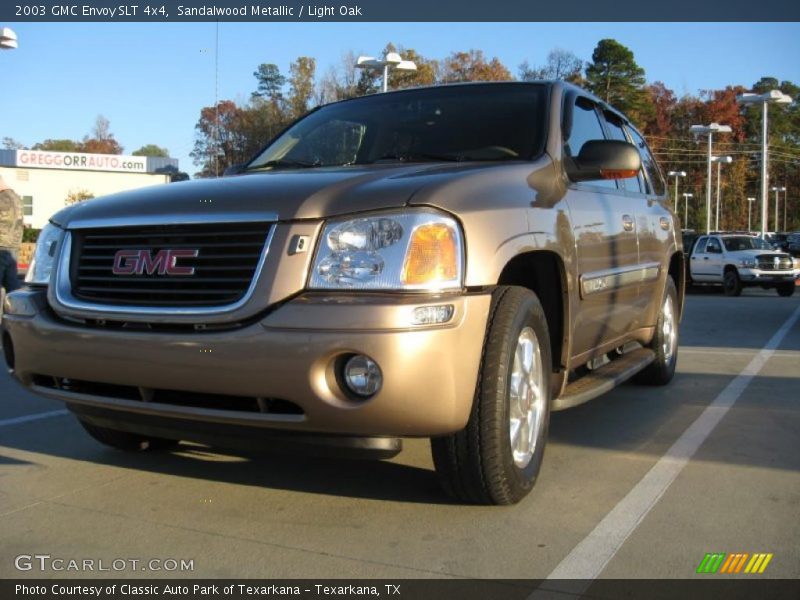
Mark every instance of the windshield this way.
pixel 494 122
pixel 745 242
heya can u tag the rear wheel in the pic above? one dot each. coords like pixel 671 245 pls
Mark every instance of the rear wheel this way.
pixel 128 442
pixel 496 458
pixel 786 289
pixel 731 284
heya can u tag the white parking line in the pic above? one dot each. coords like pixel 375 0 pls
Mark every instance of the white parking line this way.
pixel 588 559
pixel 36 417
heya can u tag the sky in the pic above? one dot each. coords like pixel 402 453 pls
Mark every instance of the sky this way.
pixel 151 80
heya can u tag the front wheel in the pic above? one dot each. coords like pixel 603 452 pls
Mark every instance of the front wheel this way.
pixel 786 289
pixel 496 458
pixel 731 284
pixel 665 341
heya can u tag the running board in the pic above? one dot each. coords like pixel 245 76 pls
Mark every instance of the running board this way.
pixel 604 379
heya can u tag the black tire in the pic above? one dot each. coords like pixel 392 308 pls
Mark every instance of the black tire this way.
pixel 731 284
pixel 128 442
pixel 785 289
pixel 477 464
pixel 662 369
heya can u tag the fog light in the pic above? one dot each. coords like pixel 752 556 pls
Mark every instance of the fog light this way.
pixel 431 315
pixel 362 375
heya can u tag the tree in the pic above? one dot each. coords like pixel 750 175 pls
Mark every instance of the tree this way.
pixel 301 85
pixel 561 64
pixel 151 150
pixel 663 101
pixel 76 196
pixel 102 140
pixel 472 66
pixel 720 106
pixel 58 146
pixel 12 144
pixel 229 134
pixel 219 142
pixel 270 82
pixel 614 76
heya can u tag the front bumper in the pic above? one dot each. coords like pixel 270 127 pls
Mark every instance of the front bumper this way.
pixel 758 276
pixel 429 372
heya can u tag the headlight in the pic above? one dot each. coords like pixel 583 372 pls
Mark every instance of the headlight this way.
pixel 748 263
pixel 415 250
pixel 44 256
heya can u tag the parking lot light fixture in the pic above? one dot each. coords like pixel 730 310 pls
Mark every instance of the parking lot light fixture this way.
pixel 686 196
pixel 749 213
pixel 709 131
pixel 8 39
pixel 676 174
pixel 770 97
pixel 392 60
pixel 776 190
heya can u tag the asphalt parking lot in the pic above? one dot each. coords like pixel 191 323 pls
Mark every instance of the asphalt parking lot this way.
pixel 614 499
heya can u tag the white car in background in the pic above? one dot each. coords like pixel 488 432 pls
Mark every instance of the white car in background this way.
pixel 736 261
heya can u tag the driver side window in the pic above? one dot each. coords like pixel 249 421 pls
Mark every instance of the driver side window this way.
pixel 586 126
pixel 713 246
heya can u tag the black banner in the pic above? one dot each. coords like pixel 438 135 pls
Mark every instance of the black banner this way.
pixel 713 588
pixel 407 10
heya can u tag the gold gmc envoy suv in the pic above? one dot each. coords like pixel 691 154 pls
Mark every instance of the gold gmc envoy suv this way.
pixel 449 262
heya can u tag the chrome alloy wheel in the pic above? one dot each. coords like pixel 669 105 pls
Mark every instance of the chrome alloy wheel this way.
pixel 669 330
pixel 527 398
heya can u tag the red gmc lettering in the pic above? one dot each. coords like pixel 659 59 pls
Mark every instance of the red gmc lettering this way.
pixel 141 262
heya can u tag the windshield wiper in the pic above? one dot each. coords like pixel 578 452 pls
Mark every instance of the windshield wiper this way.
pixel 429 157
pixel 288 163
pixel 418 157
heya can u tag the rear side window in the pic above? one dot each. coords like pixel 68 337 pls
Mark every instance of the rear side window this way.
pixel 655 182
pixel 586 126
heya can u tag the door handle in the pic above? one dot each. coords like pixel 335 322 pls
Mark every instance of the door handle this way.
pixel 627 222
pixel 705 258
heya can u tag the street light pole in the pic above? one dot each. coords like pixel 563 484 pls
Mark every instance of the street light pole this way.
pixel 776 190
pixel 686 196
pixel 771 97
pixel 709 130
pixel 719 160
pixel 764 172
pixel 785 203
pixel 749 213
pixel 676 174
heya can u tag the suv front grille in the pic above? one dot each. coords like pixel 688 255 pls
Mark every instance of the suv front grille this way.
pixel 226 256
pixel 767 262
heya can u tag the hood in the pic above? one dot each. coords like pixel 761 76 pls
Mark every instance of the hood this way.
pixel 757 253
pixel 285 194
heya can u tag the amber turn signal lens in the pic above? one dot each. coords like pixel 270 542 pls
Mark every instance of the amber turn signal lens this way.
pixel 617 173
pixel 432 255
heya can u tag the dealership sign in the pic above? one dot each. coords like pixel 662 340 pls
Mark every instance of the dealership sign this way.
pixel 79 161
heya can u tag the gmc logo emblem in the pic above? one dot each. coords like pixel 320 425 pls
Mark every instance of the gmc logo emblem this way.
pixel 141 262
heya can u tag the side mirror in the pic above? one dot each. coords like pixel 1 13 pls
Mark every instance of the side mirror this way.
pixel 605 159
pixel 236 169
